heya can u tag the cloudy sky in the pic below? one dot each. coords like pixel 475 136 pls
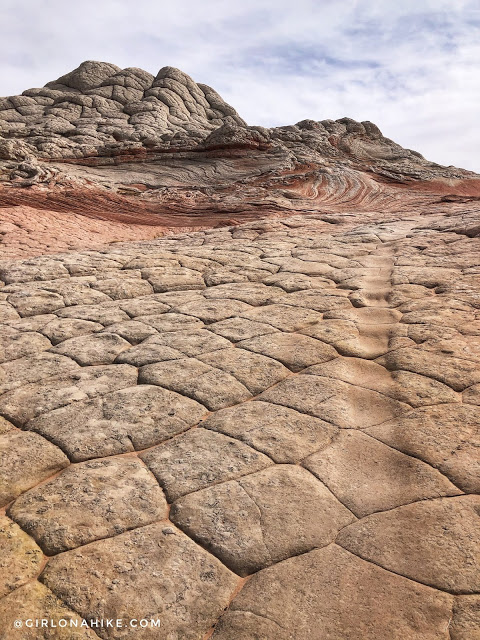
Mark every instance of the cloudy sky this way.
pixel 412 67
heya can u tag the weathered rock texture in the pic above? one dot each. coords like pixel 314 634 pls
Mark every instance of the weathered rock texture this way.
pixel 104 154
pixel 265 431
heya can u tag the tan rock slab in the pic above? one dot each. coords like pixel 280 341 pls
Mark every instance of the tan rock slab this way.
pixel 25 403
pixel 99 348
pixel 165 322
pixel 236 329
pixel 222 276
pixel 294 265
pixel 283 434
pixel 466 347
pixel 32 323
pixel 420 333
pixel 367 476
pixel 143 306
pixel 163 259
pixel 322 300
pixel 200 458
pixel 212 310
pixel 131 419
pixel 260 519
pixel 150 351
pixel 32 302
pixel 373 292
pixel 373 341
pixel 330 594
pixel 284 317
pixel 173 278
pixel 20 272
pixel 122 275
pixel 5 426
pixel 405 386
pixel 342 404
pixel 16 344
pixel 174 298
pixel 20 559
pixel 291 282
pixel 34 602
pixel 366 315
pixel 244 625
pixel 194 379
pixel 71 292
pixel 466 618
pixel 445 317
pixel 172 346
pixel 254 371
pixel 445 436
pixel 90 501
pixel 472 395
pixel 105 314
pixel 434 542
pixel 25 460
pixel 427 276
pixel 71 289
pixel 193 342
pixel 7 312
pixel 254 293
pixel 29 401
pixel 332 332
pixel 293 350
pixel 62 329
pixel 457 373
pixel 121 288
pixel 131 330
pixel 32 369
pixel 405 293
pixel 152 572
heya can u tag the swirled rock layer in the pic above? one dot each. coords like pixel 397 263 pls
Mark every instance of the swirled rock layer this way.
pixel 105 154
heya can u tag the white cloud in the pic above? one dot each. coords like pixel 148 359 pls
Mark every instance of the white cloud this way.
pixel 410 67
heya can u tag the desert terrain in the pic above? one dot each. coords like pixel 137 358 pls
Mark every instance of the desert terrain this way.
pixel 239 372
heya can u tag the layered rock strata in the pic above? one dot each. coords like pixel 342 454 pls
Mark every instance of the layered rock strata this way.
pixel 134 156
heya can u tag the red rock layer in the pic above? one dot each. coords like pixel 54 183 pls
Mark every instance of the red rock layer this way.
pixel 50 218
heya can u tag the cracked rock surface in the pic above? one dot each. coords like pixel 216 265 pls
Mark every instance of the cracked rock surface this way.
pixel 261 432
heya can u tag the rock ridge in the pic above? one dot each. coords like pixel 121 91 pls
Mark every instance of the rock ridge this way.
pixel 119 154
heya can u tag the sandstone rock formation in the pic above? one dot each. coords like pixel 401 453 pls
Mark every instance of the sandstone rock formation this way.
pixel 137 155
pixel 262 431
pixel 267 430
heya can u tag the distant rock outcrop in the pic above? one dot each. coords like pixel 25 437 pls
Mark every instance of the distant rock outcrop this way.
pixel 124 147
pixel 99 109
